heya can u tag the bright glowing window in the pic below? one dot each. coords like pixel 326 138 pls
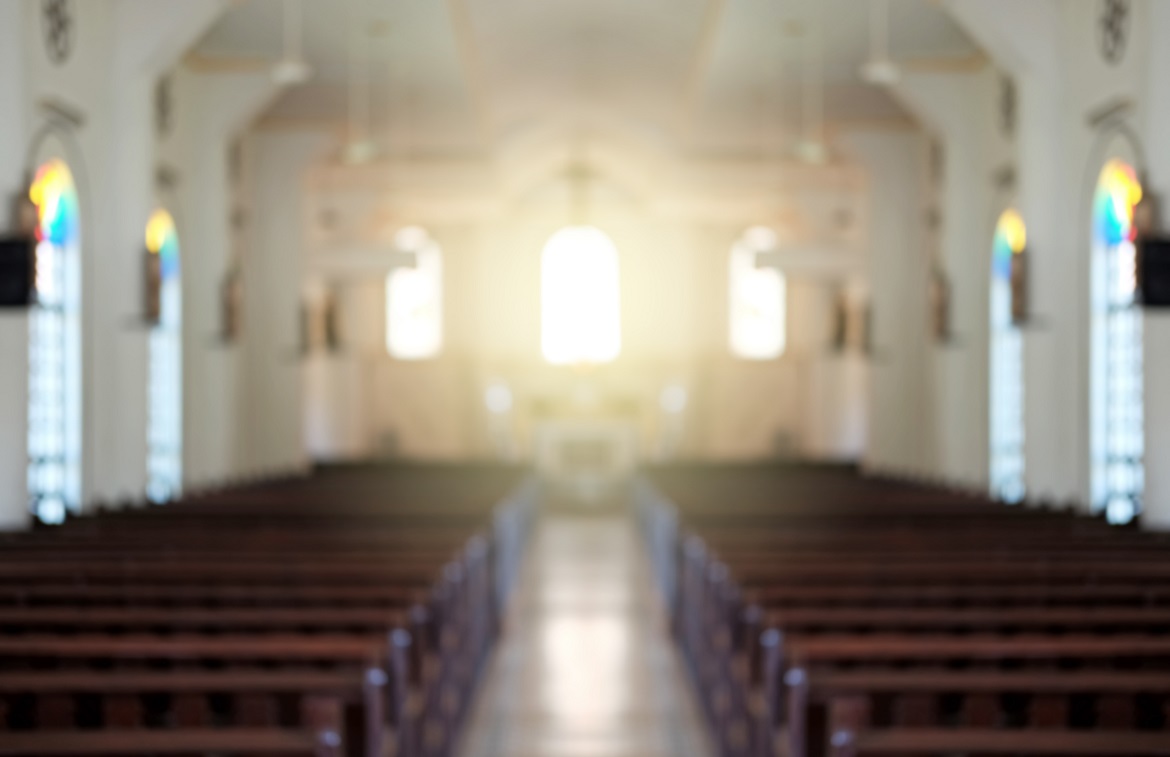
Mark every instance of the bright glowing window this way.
pixel 1007 364
pixel 165 411
pixel 54 407
pixel 1117 443
pixel 580 298
pixel 758 298
pixel 414 299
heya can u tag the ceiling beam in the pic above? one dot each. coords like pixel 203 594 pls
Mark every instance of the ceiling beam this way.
pixel 701 64
pixel 945 64
pixel 224 64
pixel 472 66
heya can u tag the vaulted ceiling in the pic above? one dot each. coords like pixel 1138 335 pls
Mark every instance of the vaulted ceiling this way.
pixel 690 77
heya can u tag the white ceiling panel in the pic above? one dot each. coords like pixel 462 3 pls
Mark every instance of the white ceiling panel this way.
pixel 525 64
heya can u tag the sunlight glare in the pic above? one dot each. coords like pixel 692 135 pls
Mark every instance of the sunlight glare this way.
pixel 414 312
pixel 580 298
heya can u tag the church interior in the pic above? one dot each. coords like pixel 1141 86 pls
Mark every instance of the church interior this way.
pixel 592 378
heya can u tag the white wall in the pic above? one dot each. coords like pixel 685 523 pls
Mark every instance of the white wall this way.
pixel 673 223
pixel 674 268
pixel 120 49
pixel 1052 49
pixel 673 220
pixel 13 324
pixel 83 83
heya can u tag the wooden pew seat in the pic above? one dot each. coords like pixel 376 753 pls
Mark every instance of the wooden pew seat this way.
pixel 192 701
pixel 1115 701
pixel 180 742
pixel 973 741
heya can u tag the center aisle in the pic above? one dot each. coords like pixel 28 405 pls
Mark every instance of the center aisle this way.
pixel 586 666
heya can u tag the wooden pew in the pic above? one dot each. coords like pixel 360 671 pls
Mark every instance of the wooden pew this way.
pixel 885 650
pixel 717 626
pixel 969 699
pixel 382 659
pixel 350 574
pixel 438 678
pixel 849 576
pixel 221 595
pixel 746 662
pixel 933 639
pixel 323 740
pixel 432 675
pixel 851 736
pixel 357 620
pixel 145 712
pixel 1022 594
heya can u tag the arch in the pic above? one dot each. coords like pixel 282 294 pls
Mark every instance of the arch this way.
pixel 1117 444
pixel 1007 362
pixel 758 299
pixel 55 362
pixel 165 389
pixel 414 299
pixel 580 297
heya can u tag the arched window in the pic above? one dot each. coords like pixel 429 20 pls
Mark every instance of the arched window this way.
pixel 414 299
pixel 1117 444
pixel 165 412
pixel 1007 363
pixel 758 299
pixel 580 298
pixel 54 409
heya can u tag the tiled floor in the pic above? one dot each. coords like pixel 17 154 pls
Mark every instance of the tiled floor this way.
pixel 586 668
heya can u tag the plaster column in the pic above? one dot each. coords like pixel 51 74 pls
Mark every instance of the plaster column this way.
pixel 954 106
pixel 149 38
pixel 13 323
pixel 1024 40
pixel 221 106
pixel 273 270
pixel 898 378
pixel 1157 322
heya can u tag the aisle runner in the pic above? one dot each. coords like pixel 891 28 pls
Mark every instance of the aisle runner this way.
pixel 585 666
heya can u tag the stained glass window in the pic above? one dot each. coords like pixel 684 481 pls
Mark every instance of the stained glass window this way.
pixel 165 412
pixel 1007 364
pixel 1117 443
pixel 54 407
